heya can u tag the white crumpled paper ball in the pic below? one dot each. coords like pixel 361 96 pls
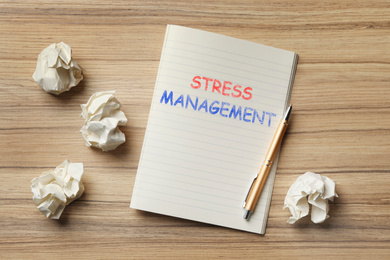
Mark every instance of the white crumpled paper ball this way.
pixel 55 189
pixel 56 71
pixel 102 116
pixel 314 189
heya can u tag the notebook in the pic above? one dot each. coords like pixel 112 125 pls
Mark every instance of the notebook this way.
pixel 216 105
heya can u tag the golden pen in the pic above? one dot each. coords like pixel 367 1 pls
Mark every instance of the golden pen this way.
pixel 258 183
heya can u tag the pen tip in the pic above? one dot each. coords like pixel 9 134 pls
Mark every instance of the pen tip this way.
pixel 247 214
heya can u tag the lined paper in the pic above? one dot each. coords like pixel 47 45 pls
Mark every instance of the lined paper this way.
pixel 199 165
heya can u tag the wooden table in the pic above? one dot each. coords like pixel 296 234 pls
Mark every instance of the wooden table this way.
pixel 340 127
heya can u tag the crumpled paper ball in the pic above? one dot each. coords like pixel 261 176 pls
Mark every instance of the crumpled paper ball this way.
pixel 56 71
pixel 102 116
pixel 55 189
pixel 314 189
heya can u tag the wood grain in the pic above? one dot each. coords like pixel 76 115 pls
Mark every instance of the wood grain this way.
pixel 340 126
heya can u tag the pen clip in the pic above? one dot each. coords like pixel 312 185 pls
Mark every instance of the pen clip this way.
pixel 249 191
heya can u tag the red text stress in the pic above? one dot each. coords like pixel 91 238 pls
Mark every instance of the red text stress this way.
pixel 225 88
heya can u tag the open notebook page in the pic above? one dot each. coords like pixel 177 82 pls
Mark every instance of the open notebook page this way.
pixel 216 105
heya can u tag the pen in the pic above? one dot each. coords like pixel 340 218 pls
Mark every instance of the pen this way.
pixel 258 183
